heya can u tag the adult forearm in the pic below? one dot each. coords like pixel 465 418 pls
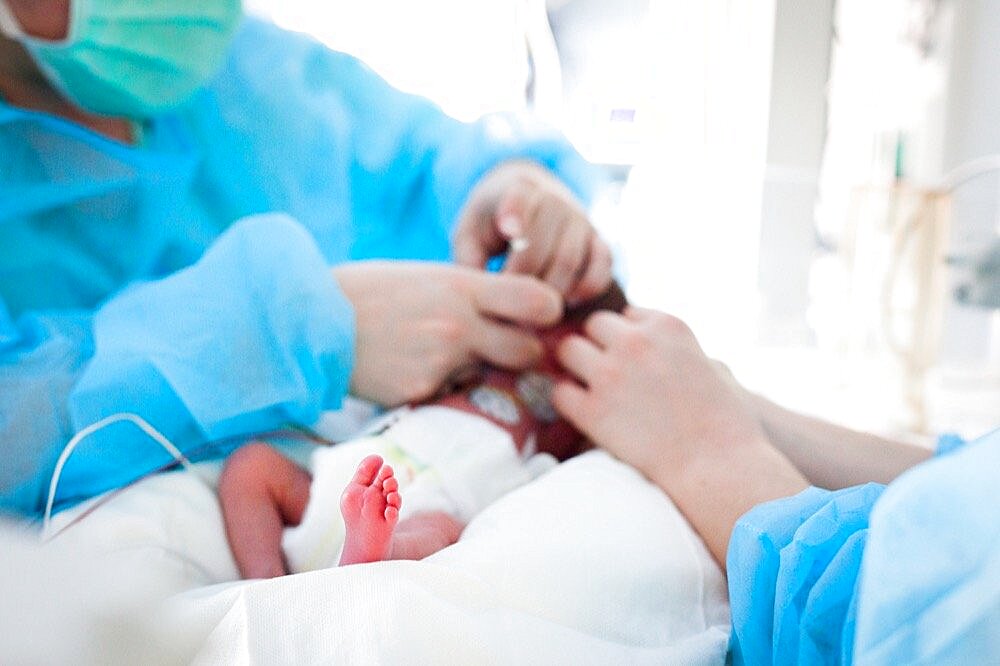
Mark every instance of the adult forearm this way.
pixel 832 456
pixel 650 396
pixel 715 489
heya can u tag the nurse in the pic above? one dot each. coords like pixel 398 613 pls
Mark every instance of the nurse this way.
pixel 203 220
pixel 826 563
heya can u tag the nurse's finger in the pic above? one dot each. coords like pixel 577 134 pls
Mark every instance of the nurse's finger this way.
pixel 571 250
pixel 530 252
pixel 581 358
pixel 661 322
pixel 516 298
pixel 468 250
pixel 606 328
pixel 573 403
pixel 476 238
pixel 505 346
pixel 596 274
pixel 637 314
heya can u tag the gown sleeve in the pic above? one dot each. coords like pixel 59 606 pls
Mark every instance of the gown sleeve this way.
pixel 309 159
pixel 254 335
pixel 41 357
pixel 793 568
pixel 930 584
pixel 372 172
pixel 904 574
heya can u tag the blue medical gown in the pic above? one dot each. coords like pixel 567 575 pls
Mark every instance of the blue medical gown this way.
pixel 908 574
pixel 187 279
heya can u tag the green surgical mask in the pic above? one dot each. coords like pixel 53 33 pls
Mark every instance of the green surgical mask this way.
pixel 133 58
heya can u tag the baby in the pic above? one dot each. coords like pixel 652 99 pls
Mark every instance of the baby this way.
pixel 453 455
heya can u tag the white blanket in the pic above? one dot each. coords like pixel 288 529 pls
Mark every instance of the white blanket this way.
pixel 587 564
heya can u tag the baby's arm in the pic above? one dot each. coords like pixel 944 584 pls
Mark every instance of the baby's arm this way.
pixel 261 491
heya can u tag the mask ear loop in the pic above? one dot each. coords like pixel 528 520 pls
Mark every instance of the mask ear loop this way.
pixel 8 23
pixel 67 451
pixel 11 27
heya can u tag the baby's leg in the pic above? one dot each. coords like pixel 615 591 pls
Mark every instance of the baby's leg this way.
pixel 424 534
pixel 370 506
pixel 261 492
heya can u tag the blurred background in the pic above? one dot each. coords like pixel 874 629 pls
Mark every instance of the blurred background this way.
pixel 813 184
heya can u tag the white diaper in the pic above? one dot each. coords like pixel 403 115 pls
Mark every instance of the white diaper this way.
pixel 445 460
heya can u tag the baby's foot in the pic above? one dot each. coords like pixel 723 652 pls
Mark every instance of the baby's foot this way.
pixel 370 506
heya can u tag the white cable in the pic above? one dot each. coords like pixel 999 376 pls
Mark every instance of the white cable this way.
pixel 135 420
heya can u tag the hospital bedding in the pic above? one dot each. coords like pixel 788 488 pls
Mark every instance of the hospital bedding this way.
pixel 587 564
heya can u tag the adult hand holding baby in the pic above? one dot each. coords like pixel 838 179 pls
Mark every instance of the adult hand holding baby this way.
pixel 522 207
pixel 418 324
pixel 648 394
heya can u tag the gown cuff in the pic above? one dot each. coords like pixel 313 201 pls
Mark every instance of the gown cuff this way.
pixel 253 336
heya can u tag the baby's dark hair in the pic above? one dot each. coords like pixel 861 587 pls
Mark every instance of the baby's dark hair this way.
pixel 613 299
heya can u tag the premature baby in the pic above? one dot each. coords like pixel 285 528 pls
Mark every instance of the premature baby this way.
pixel 452 456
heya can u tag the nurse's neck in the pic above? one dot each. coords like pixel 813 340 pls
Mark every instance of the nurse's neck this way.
pixel 22 84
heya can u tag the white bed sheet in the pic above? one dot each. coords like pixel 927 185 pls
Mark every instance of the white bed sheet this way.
pixel 587 564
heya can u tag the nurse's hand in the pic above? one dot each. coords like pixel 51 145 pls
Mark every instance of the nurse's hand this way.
pixel 648 394
pixel 522 207
pixel 420 325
